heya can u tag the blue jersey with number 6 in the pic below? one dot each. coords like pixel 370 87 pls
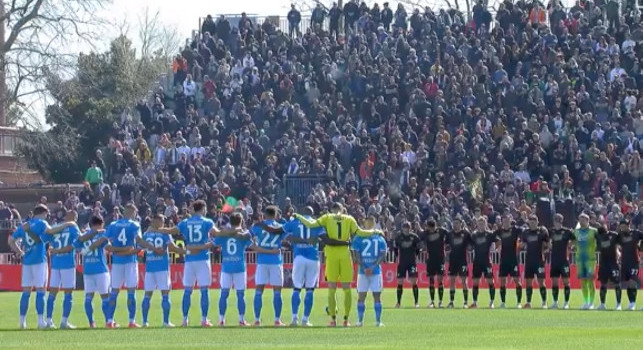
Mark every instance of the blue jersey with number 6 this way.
pixel 233 253
pixel 153 261
pixel 196 231
pixel 61 240
pixel 268 240
pixel 299 230
pixel 122 233
pixel 35 252
pixel 95 261
pixel 369 249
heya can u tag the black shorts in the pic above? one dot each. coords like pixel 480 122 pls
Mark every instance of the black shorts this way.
pixel 609 273
pixel 559 270
pixel 534 270
pixel 629 273
pixel 434 267
pixel 508 268
pixel 458 268
pixel 408 269
pixel 482 269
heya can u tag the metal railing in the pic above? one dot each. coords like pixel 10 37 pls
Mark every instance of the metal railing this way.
pixel 299 187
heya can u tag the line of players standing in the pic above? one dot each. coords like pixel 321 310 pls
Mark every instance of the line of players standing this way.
pixel 619 260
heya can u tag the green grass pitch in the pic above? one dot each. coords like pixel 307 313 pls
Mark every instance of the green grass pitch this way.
pixel 406 328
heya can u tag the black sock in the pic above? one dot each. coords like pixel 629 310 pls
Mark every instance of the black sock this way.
pixel 475 293
pixel 568 292
pixel 400 289
pixel 543 293
pixel 530 291
pixel 492 292
pixel 554 293
pixel 619 292
pixel 519 293
pixel 452 294
pixel 416 293
pixel 440 292
pixel 431 289
pixel 503 293
pixel 631 294
pixel 466 295
pixel 603 293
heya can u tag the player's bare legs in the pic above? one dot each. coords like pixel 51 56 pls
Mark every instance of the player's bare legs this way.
pixel 258 303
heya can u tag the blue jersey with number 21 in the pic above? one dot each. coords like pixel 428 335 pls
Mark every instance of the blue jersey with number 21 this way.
pixel 61 240
pixel 122 233
pixel 268 240
pixel 196 231
pixel 299 230
pixel 369 248
pixel 233 253
pixel 95 261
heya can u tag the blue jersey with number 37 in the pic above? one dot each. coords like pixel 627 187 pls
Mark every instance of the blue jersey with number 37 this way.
pixel 297 229
pixel 122 233
pixel 196 231
pixel 61 240
pixel 233 253
pixel 268 240
pixel 369 249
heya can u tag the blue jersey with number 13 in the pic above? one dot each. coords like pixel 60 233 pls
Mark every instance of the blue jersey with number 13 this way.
pixel 196 231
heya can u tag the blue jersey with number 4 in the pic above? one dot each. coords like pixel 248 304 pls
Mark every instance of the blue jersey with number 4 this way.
pixel 122 233
pixel 297 229
pixel 61 240
pixel 95 261
pixel 369 249
pixel 196 231
pixel 153 261
pixel 233 253
pixel 268 240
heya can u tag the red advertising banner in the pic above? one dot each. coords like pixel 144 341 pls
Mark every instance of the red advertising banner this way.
pixel 10 276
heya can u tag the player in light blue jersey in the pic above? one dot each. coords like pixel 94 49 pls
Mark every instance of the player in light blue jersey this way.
pixel 269 266
pixel 371 253
pixel 305 271
pixel 197 231
pixel 124 234
pixel 233 267
pixel 157 269
pixel 95 270
pixel 63 270
pixel 33 236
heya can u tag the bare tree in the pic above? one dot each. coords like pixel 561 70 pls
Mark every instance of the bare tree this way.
pixel 157 39
pixel 36 37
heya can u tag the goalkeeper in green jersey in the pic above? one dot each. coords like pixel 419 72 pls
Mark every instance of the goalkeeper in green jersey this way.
pixel 586 259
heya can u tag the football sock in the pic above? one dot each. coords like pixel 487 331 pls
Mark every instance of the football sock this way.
pixel 40 304
pixel 568 292
pixel 451 295
pixel 361 307
pixel 89 308
pixel 145 307
pixel 475 294
pixel 530 291
pixel 431 289
pixel 400 290
pixel 51 300
pixel 205 303
pixel 631 294
pixel 543 293
pixel 619 293
pixel 295 300
pixel 166 305
pixel 332 302
pixel 585 292
pixel 241 304
pixel 465 292
pixel 378 312
pixel 113 298
pixel 223 303
pixel 492 292
pixel 277 304
pixel 258 303
pixel 131 306
pixel 603 293
pixel 348 302
pixel 440 292
pixel 554 293
pixel 416 293
pixel 503 293
pixel 24 303
pixel 592 292
pixel 187 301
pixel 104 306
pixel 519 293
pixel 308 303
pixel 67 304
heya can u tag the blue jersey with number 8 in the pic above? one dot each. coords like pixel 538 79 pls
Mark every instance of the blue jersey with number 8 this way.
pixel 196 231
pixel 268 240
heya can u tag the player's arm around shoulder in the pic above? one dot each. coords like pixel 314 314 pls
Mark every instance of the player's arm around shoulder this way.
pixel 319 222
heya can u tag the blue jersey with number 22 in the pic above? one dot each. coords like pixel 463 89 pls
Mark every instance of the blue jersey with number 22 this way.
pixel 268 240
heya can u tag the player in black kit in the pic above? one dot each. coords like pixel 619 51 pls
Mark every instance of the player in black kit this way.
pixel 482 239
pixel 434 238
pixel 559 265
pixel 408 245
pixel 630 241
pixel 535 241
pixel 608 269
pixel 459 242
pixel 507 238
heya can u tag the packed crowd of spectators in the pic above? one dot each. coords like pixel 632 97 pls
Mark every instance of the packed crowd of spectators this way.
pixel 406 115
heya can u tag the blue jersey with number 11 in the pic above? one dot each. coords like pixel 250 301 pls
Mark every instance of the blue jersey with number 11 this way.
pixel 299 230
pixel 122 233
pixel 233 253
pixel 369 249
pixel 196 231
pixel 268 240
